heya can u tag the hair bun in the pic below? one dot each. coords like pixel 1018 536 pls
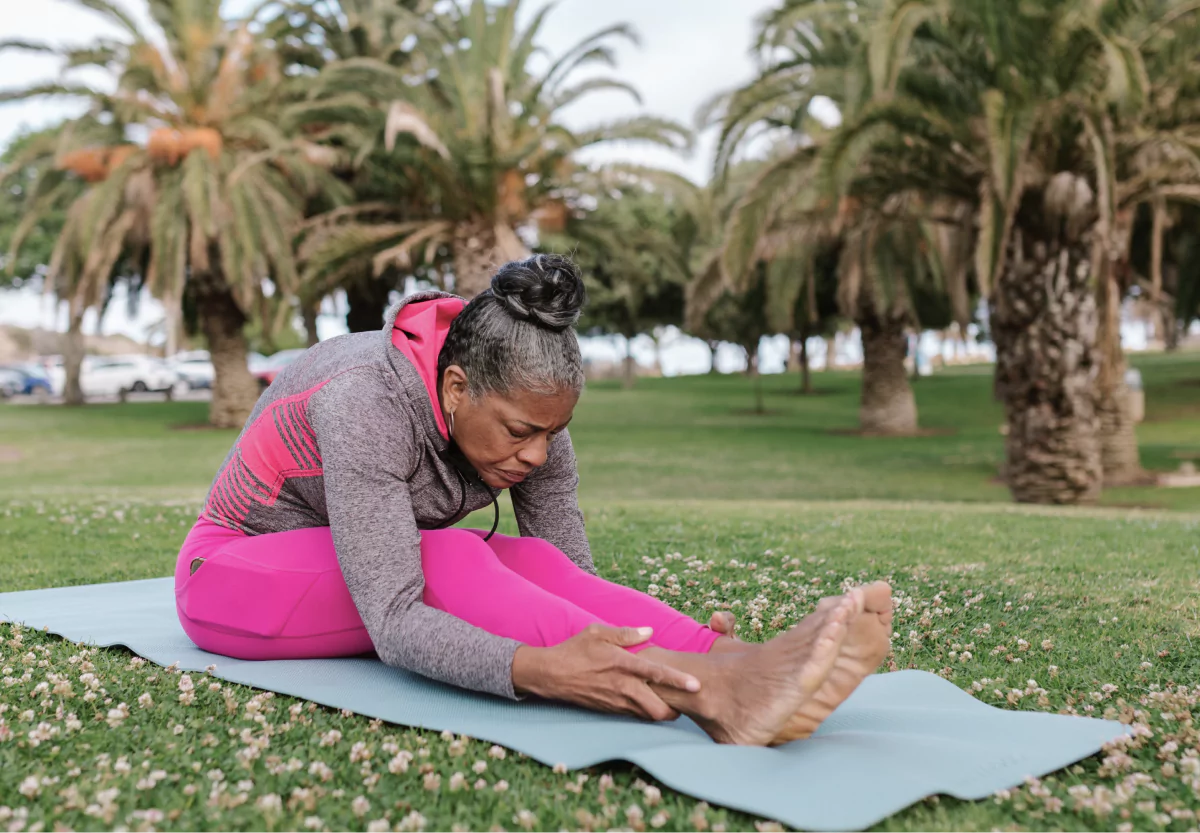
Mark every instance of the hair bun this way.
pixel 546 290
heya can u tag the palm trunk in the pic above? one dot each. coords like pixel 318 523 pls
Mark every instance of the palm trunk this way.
pixel 756 378
pixel 73 349
pixel 221 319
pixel 1170 323
pixel 366 301
pixel 888 405
pixel 309 311
pixel 479 250
pixel 1043 321
pixel 628 366
pixel 1118 439
pixel 805 370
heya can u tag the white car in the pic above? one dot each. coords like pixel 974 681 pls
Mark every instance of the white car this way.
pixel 11 383
pixel 194 369
pixel 106 376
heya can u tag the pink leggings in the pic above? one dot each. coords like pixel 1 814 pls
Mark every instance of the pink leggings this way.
pixel 282 595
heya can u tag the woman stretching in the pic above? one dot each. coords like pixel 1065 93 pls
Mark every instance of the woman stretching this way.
pixel 326 532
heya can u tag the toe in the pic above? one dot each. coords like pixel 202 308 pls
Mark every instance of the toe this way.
pixel 877 597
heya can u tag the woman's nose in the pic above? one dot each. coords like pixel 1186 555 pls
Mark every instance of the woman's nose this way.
pixel 534 454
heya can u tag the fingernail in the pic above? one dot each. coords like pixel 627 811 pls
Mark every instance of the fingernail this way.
pixel 693 684
pixel 645 631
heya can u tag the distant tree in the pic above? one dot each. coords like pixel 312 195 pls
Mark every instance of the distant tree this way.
pixel 632 246
pixel 741 317
pixel 815 311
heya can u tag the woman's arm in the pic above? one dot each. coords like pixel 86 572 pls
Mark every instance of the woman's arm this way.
pixel 547 504
pixel 368 452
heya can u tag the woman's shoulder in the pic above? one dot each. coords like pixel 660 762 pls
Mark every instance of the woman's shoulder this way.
pixel 348 380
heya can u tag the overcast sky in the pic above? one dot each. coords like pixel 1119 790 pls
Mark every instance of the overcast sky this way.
pixel 689 50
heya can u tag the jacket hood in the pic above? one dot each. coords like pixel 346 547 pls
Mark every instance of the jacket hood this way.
pixel 418 326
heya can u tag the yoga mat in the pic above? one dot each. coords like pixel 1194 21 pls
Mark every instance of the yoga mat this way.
pixel 900 737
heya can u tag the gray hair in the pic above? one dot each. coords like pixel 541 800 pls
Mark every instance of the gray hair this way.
pixel 518 336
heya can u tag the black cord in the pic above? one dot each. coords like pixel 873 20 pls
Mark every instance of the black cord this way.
pixel 496 521
pixel 463 502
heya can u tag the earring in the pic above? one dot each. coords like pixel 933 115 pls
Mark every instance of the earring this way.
pixel 452 423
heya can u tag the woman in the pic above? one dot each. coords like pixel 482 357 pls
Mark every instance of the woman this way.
pixel 326 532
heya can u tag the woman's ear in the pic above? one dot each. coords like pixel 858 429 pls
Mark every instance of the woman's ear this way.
pixel 454 387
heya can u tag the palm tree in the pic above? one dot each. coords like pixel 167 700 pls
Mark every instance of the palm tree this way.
pixel 633 244
pixel 47 234
pixel 890 242
pixel 310 37
pixel 481 126
pixel 1147 160
pixel 964 108
pixel 210 201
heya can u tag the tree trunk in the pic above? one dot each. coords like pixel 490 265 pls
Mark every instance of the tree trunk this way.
pixel 481 248
pixel 1171 330
pixel 830 352
pixel 366 304
pixel 888 405
pixel 234 390
pixel 73 348
pixel 805 370
pixel 1170 322
pixel 1043 321
pixel 309 310
pixel 1118 438
pixel 629 366
pixel 756 378
pixel 712 349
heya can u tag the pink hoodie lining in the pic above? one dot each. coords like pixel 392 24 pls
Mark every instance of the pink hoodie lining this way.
pixel 419 333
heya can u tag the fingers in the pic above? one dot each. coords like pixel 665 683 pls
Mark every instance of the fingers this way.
pixel 623 637
pixel 658 674
pixel 646 704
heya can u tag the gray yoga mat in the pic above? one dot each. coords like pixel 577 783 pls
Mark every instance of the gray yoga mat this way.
pixel 899 738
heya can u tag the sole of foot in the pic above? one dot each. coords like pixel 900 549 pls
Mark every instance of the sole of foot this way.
pixel 868 639
pixel 766 687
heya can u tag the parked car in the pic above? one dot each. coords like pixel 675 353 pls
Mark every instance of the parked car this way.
pixel 119 375
pixel 194 369
pixel 33 380
pixel 11 383
pixel 266 370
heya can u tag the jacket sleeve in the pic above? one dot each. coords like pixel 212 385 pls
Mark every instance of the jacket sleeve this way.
pixel 547 504
pixel 366 440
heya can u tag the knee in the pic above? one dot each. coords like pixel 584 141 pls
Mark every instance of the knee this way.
pixel 534 553
pixel 453 547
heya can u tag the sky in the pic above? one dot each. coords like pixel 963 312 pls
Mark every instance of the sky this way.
pixel 689 50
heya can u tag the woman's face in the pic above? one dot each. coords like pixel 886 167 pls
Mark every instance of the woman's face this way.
pixel 504 437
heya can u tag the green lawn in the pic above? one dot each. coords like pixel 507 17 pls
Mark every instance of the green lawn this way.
pixel 1089 611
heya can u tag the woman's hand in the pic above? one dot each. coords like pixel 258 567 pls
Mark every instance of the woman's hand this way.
pixel 593 669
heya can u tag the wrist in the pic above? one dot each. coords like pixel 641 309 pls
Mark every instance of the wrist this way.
pixel 530 671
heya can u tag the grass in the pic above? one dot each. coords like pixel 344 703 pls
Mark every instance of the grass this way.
pixel 1082 611
pixel 671 438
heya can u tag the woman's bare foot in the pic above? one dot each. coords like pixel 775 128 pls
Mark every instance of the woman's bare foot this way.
pixel 866 645
pixel 749 696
